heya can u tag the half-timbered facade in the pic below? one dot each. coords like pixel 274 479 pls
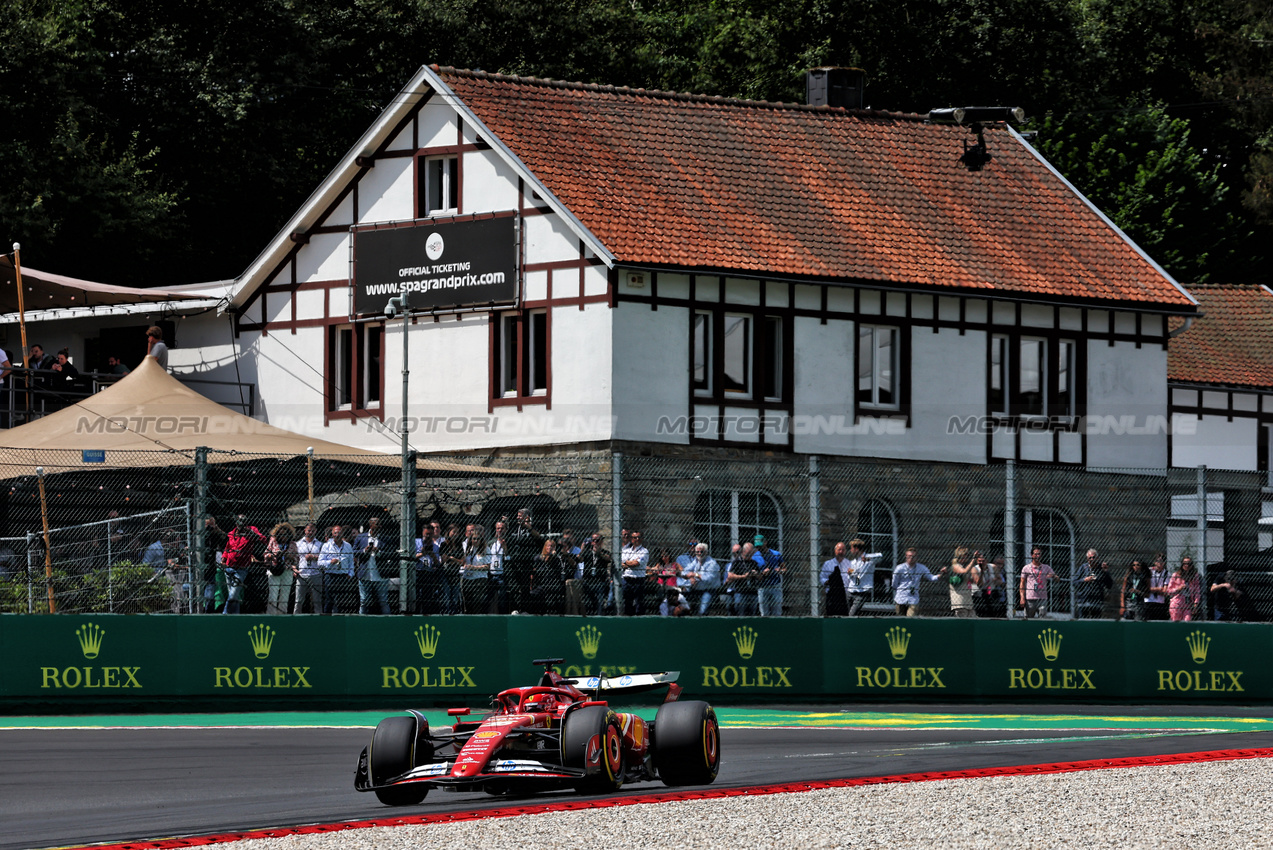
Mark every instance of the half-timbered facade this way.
pixel 694 270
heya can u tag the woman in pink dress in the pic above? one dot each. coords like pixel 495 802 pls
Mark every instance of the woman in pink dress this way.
pixel 1184 591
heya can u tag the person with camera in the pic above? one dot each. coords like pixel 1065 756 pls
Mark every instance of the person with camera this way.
pixel 597 574
pixel 371 586
pixel 523 544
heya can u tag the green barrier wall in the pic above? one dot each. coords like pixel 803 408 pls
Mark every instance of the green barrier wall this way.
pixel 74 663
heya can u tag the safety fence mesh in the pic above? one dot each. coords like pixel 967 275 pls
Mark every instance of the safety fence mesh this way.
pixel 149 531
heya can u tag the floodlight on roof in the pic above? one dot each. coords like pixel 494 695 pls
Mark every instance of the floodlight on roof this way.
pixel 975 118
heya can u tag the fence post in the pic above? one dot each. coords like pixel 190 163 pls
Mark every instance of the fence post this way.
pixel 200 529
pixel 815 534
pixel 616 529
pixel 406 530
pixel 1203 554
pixel 1010 537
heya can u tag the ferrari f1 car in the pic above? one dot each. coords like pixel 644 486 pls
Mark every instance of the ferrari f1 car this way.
pixel 556 734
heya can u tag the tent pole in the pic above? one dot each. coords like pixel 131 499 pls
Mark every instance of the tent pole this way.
pixel 22 322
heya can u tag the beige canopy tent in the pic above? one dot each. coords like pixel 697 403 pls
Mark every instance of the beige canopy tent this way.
pixel 49 291
pixel 150 419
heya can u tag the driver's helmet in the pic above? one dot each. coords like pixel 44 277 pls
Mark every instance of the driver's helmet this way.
pixel 540 702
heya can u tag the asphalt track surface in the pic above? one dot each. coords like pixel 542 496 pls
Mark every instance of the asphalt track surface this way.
pixel 62 785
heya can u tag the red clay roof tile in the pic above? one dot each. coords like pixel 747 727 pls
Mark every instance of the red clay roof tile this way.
pixel 1231 343
pixel 699 182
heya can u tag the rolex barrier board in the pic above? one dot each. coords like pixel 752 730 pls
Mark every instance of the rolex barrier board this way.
pixel 224 662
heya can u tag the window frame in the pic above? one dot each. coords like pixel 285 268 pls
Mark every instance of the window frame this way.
pixel 894 368
pixel 882 584
pixel 355 369
pixel 426 181
pixel 1059 399
pixel 703 528
pixel 767 361
pixel 525 360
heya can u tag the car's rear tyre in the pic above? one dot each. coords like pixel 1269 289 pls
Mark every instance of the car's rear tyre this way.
pixel 685 745
pixel 393 753
pixel 591 739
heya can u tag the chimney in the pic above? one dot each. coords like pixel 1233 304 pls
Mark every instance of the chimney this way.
pixel 844 87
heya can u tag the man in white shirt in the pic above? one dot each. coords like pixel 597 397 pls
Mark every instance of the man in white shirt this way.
pixel 496 552
pixel 861 576
pixel 309 575
pixel 337 561
pixel 634 557
pixel 906 577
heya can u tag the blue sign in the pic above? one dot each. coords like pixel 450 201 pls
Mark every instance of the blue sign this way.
pixel 94 455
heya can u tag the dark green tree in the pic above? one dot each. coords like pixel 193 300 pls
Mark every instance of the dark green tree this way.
pixel 1141 168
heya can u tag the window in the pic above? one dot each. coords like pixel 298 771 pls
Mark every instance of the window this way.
pixel 356 367
pixel 725 517
pixel 739 356
pixel 1032 376
pixel 702 343
pixel 1050 531
pixel 736 364
pixel 878 367
pixel 770 360
pixel 877 527
pixel 440 185
pixel 521 352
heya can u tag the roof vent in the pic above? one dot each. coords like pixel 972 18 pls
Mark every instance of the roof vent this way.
pixel 844 87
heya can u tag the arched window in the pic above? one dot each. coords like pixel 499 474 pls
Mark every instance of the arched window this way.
pixel 725 517
pixel 877 526
pixel 1051 531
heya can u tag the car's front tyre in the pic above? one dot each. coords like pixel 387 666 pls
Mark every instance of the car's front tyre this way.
pixel 393 752
pixel 591 739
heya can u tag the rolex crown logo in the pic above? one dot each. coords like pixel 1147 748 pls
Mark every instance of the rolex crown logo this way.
pixel 427 637
pixel 745 639
pixel 589 641
pixel 899 640
pixel 1199 643
pixel 90 637
pixel 1050 640
pixel 262 637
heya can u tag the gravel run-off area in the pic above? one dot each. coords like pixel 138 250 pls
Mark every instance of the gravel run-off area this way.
pixel 1226 804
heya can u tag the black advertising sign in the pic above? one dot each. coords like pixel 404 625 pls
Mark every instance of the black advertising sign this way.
pixel 438 264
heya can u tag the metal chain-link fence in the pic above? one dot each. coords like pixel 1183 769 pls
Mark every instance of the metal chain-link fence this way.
pixel 156 532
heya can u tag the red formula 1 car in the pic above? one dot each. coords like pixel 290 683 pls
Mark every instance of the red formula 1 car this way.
pixel 556 734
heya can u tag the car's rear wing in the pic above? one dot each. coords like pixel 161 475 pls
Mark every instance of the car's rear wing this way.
pixel 628 683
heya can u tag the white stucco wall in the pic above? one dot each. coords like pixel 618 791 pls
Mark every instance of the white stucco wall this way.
pixel 1126 406
pixel 651 370
pixel 1214 441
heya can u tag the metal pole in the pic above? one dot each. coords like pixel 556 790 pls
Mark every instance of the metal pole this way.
pixel 616 529
pixel 197 568
pixel 815 525
pixel 1203 556
pixel 309 462
pixel 406 507
pixel 1010 537
pixel 48 547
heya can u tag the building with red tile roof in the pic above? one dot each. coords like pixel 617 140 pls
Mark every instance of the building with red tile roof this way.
pixel 1220 370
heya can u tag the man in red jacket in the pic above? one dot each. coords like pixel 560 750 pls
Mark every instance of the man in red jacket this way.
pixel 241 546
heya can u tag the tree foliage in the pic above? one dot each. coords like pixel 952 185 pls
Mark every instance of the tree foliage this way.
pixel 178 137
